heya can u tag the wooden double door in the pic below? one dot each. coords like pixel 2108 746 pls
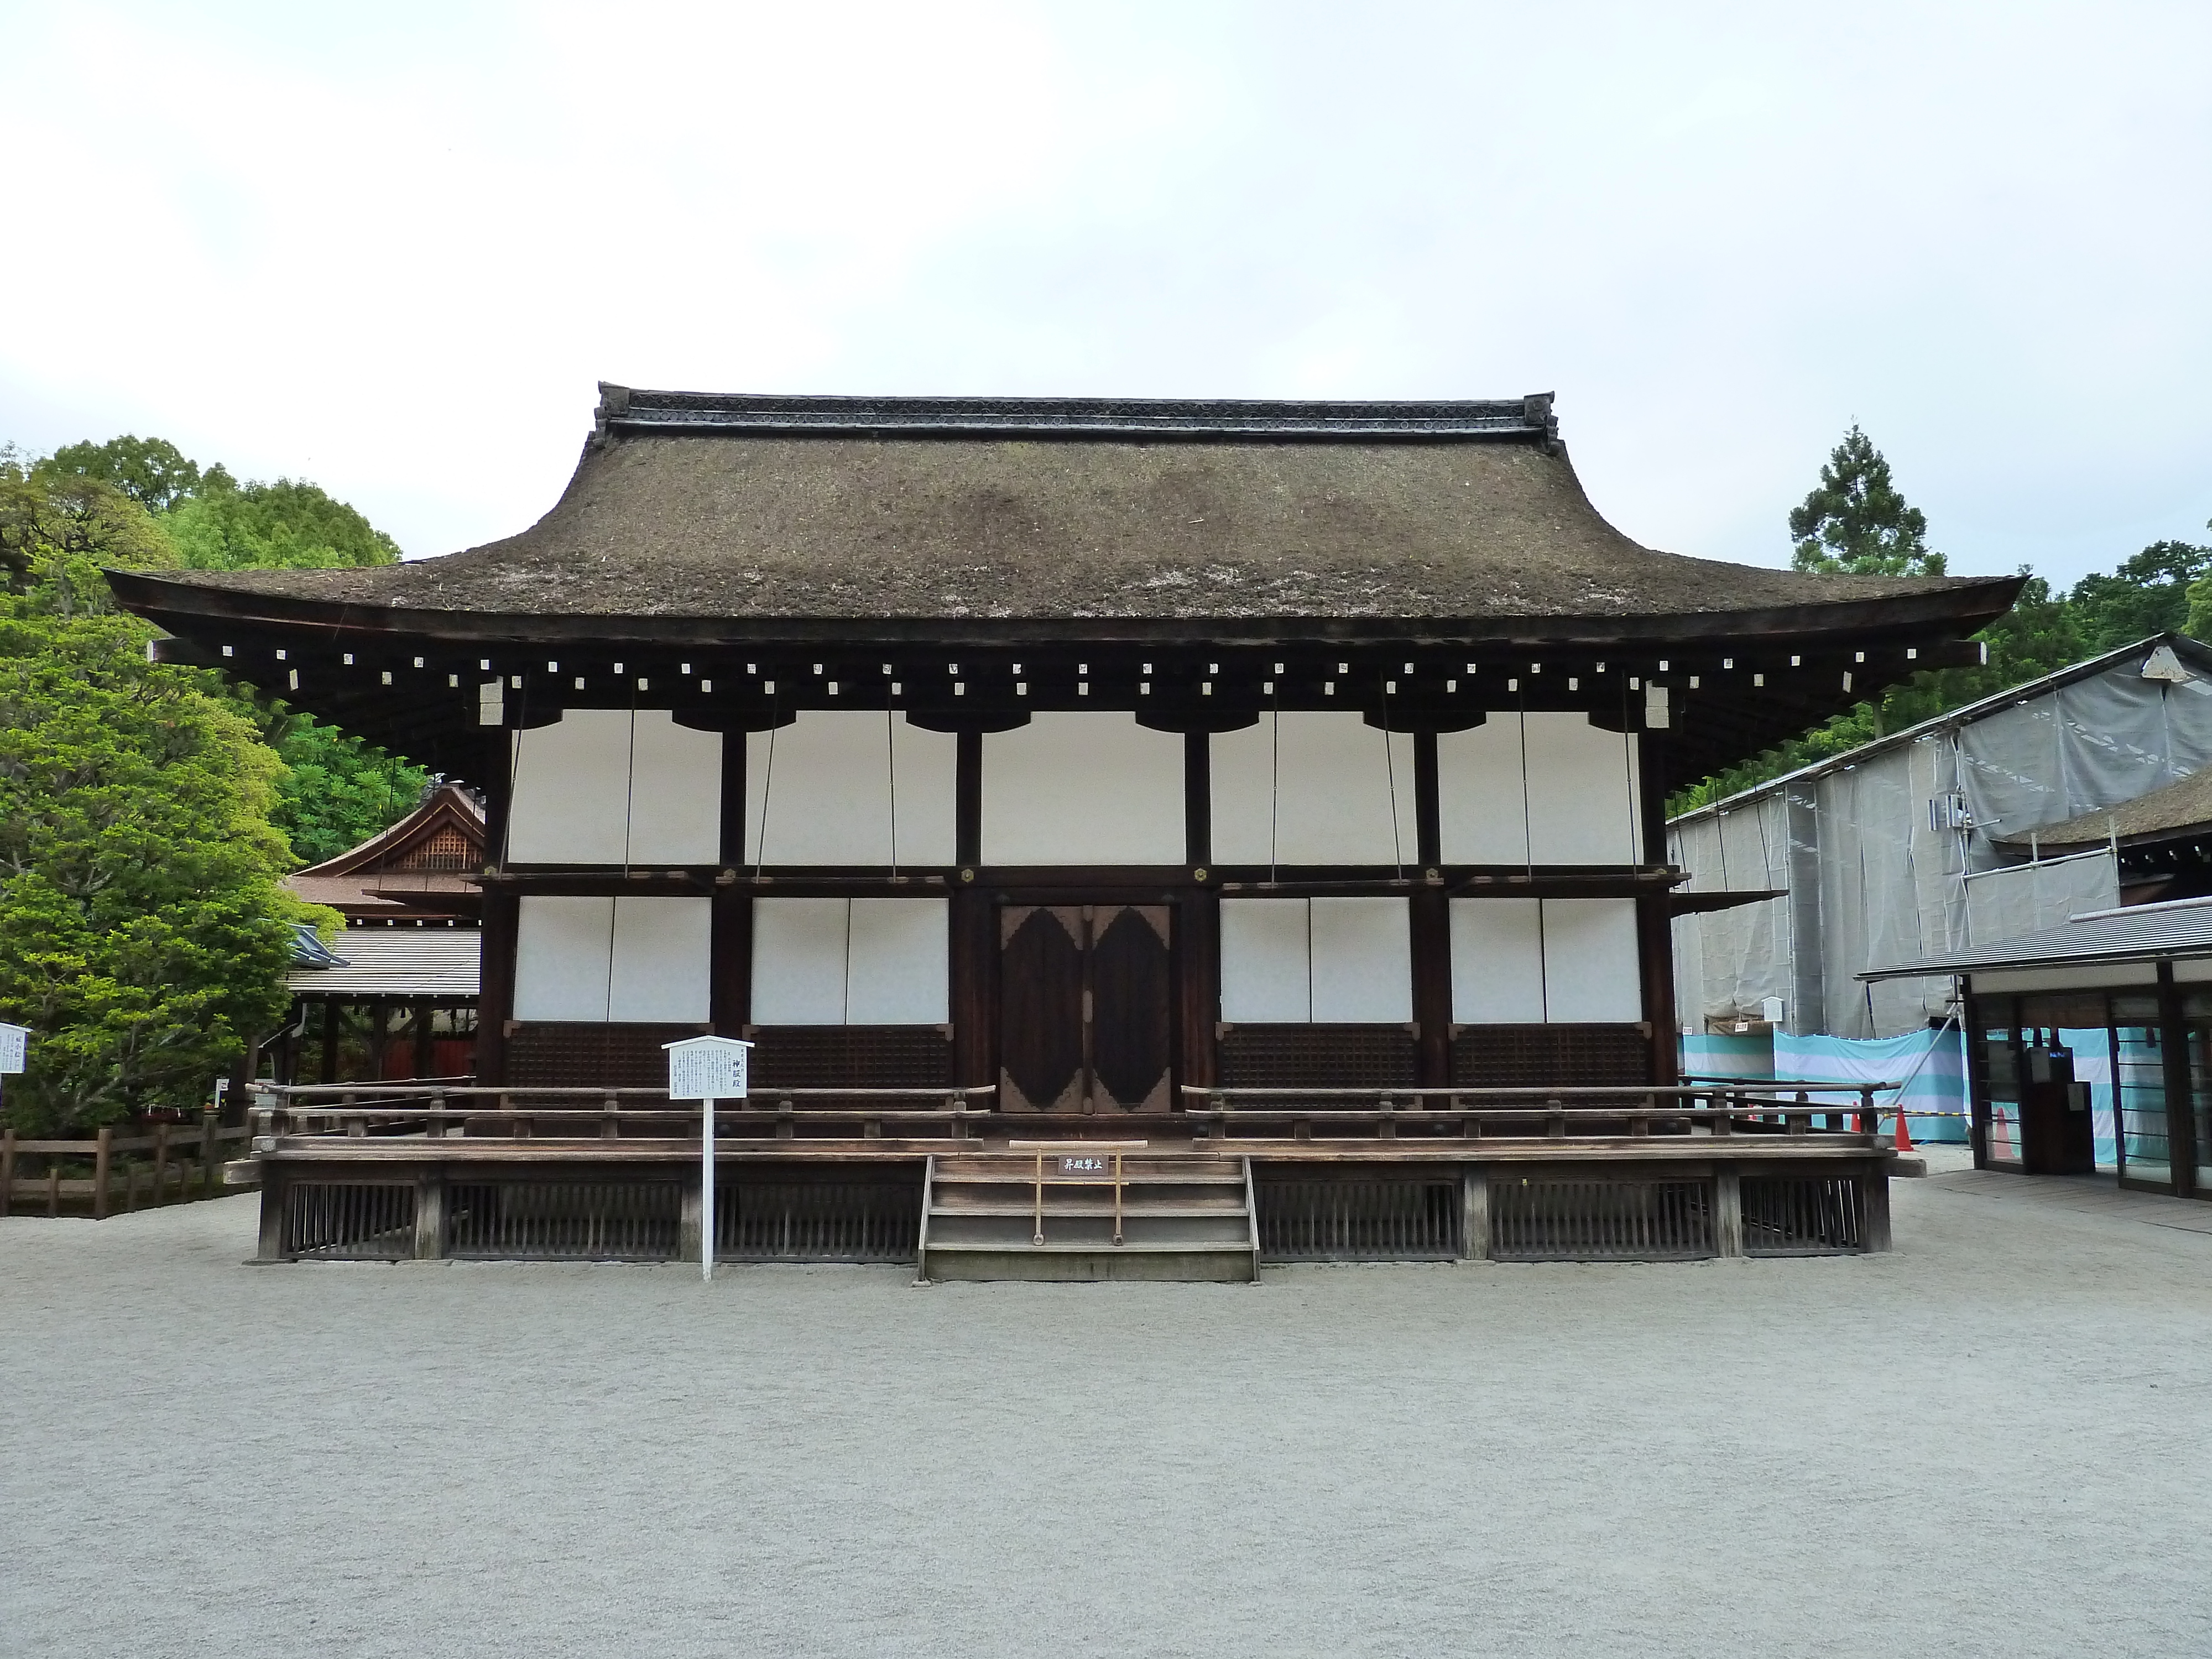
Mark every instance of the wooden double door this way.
pixel 1086 999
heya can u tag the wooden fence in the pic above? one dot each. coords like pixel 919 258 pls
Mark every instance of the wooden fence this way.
pixel 173 1161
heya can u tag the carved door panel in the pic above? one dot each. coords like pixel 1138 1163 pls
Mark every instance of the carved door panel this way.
pixel 1086 995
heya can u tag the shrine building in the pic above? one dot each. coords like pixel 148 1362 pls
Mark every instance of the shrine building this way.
pixel 1277 785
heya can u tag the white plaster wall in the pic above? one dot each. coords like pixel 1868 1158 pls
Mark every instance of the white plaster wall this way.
pixel 1078 788
pixel 1325 799
pixel 1363 961
pixel 1265 974
pixel 857 961
pixel 1591 971
pixel 1575 800
pixel 1497 961
pixel 577 798
pixel 799 947
pixel 1582 790
pixel 659 951
pixel 1322 961
pixel 828 788
pixel 1481 811
pixel 899 963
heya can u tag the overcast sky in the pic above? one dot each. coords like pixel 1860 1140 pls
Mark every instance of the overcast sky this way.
pixel 393 249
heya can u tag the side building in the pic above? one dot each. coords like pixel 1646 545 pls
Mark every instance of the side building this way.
pixel 1115 762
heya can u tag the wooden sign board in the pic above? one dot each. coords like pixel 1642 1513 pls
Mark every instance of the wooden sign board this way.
pixel 707 1068
pixel 14 1044
pixel 1091 1164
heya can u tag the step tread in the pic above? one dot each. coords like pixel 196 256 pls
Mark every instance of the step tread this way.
pixel 1004 1246
pixel 1130 1178
pixel 1103 1212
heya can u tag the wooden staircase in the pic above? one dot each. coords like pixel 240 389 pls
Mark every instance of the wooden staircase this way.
pixel 1099 1211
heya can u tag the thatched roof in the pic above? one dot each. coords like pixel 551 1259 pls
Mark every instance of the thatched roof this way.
pixel 692 506
pixel 2178 808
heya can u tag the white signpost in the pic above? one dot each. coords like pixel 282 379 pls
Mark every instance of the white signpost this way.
pixel 707 1069
pixel 14 1041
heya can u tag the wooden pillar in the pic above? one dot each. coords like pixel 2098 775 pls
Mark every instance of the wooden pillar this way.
pixel 731 962
pixel 1876 1238
pixel 972 985
pixel 1728 1210
pixel 102 1155
pixel 1428 810
pixel 496 985
pixel 1474 1212
pixel 1654 941
pixel 1651 777
pixel 272 1216
pixel 1430 927
pixel 967 798
pixel 328 1070
pixel 1198 944
pixel 1197 800
pixel 425 1016
pixel 430 1217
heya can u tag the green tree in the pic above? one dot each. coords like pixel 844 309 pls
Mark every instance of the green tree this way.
pixel 288 524
pixel 336 791
pixel 1855 522
pixel 144 933
pixel 152 471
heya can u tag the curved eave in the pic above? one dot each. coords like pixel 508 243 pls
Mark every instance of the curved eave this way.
pixel 1954 611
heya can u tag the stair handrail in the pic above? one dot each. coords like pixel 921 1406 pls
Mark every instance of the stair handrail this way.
pixel 1076 1148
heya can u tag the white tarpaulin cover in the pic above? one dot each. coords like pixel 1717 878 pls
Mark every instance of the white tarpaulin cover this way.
pixel 1874 848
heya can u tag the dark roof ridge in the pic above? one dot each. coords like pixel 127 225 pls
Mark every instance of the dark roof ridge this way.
pixel 1529 419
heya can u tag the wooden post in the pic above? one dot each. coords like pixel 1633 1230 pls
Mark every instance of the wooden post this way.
pixel 1474 1213
pixel 7 1168
pixel 430 1218
pixel 273 1217
pixel 1876 1238
pixel 161 1160
pixel 207 1153
pixel 1728 1211
pixel 101 1153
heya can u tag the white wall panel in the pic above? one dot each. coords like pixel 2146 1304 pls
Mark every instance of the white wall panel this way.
pixel 1482 816
pixel 1363 961
pixel 828 788
pixel 1266 977
pixel 799 948
pixel 575 800
pixel 657 950
pixel 1497 962
pixel 1325 798
pixel 664 960
pixel 1074 788
pixel 899 963
pixel 1582 790
pixel 1591 971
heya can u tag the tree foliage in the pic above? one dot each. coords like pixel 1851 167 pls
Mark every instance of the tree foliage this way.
pixel 152 471
pixel 336 791
pixel 286 525
pixel 1855 522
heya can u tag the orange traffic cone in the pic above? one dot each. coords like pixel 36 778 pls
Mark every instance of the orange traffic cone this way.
pixel 1904 1135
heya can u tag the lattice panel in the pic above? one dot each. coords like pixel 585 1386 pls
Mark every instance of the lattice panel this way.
pixel 1538 1220
pixel 552 1055
pixel 1550 1056
pixel 1318 1057
pixel 818 1220
pixel 575 1220
pixel 1363 1220
pixel 851 1057
pixel 1796 1215
pixel 350 1221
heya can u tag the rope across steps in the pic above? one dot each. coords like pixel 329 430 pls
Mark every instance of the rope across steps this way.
pixel 1088 1210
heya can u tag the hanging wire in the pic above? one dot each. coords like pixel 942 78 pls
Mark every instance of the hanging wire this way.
pixel 768 782
pixel 513 769
pixel 1390 773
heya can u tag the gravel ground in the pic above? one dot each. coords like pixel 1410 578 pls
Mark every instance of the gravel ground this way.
pixel 1997 1440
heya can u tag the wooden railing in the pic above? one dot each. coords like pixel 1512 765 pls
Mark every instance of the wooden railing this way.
pixel 325 1111
pixel 1082 1163
pixel 194 1152
pixel 1715 1109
